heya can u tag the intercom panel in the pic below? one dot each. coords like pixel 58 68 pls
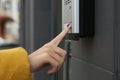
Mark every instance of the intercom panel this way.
pixel 80 14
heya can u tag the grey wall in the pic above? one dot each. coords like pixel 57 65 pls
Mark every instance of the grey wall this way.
pixel 117 39
pixel 37 28
pixel 94 56
pixel 97 58
pixel 57 29
pixel 42 30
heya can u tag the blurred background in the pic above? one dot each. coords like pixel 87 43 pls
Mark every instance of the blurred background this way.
pixel 32 23
pixel 9 21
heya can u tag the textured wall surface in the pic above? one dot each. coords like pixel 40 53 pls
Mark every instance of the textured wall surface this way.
pixel 93 57
pixel 42 30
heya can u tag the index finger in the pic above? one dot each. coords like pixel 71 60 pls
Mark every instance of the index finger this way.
pixel 59 37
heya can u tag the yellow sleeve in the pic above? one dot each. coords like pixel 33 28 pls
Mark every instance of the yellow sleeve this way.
pixel 14 64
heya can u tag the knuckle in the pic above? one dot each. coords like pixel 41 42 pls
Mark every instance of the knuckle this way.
pixel 65 52
pixel 57 64
pixel 62 61
pixel 48 50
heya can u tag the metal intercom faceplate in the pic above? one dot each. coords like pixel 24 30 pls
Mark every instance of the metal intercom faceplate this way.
pixel 70 14
pixel 80 14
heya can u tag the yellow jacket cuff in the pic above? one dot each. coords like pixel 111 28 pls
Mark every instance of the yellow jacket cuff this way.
pixel 14 64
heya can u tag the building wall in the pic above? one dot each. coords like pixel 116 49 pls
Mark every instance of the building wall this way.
pixel 42 30
pixel 37 29
pixel 97 58
pixel 93 57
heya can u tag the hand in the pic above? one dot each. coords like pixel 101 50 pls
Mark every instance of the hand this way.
pixel 49 54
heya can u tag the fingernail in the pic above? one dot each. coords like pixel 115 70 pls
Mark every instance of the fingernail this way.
pixel 68 25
